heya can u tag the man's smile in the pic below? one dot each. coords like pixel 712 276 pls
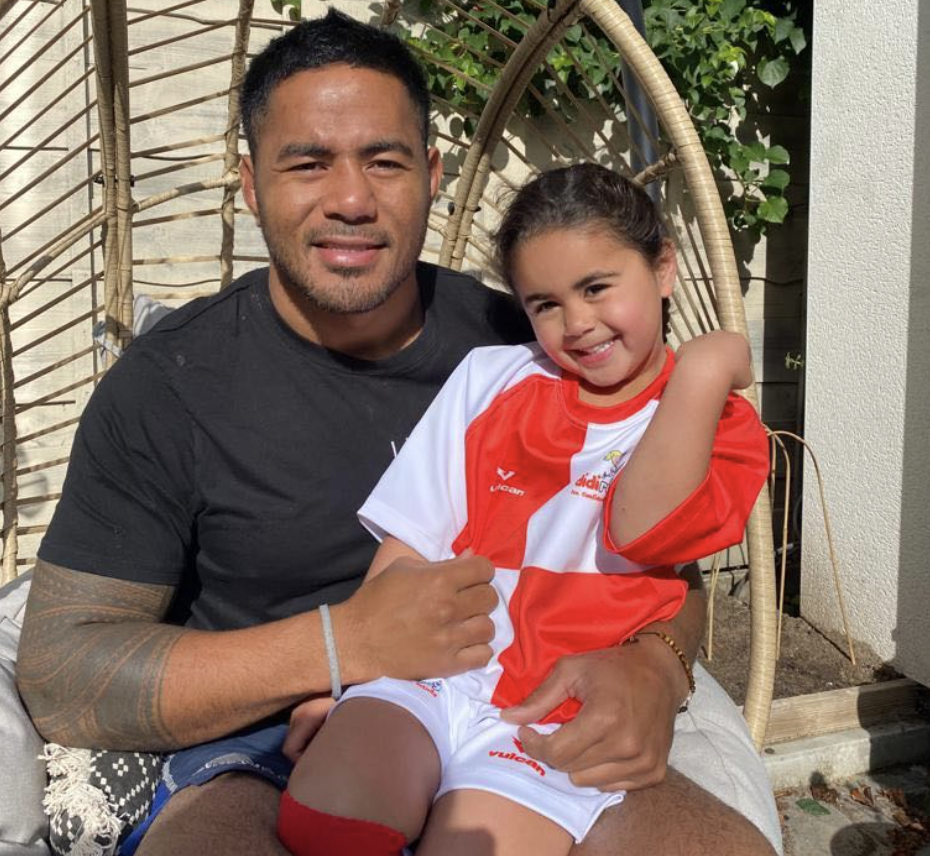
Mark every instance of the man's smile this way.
pixel 343 252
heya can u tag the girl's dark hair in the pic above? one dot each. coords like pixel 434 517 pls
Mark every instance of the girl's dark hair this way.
pixel 582 196
pixel 312 44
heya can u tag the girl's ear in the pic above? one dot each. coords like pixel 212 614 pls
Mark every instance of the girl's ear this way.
pixel 667 269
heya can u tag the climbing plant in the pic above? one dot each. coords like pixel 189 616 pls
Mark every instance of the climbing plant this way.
pixel 720 55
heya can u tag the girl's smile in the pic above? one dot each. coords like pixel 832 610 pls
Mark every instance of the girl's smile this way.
pixel 595 304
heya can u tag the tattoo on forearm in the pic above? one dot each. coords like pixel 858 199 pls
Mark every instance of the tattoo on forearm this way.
pixel 92 659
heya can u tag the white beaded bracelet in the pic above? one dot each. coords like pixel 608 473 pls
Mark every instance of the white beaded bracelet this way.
pixel 330 642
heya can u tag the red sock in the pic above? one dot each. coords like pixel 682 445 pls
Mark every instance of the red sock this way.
pixel 307 832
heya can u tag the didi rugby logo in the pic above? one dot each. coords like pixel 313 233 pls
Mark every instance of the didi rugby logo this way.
pixel 595 485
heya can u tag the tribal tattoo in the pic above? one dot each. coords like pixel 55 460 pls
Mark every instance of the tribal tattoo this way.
pixel 92 659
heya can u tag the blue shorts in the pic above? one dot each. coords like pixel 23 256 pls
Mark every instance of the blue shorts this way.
pixel 257 752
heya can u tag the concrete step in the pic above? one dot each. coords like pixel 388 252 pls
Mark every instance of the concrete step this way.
pixel 844 754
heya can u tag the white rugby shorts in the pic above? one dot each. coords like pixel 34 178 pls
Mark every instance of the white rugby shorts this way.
pixel 478 751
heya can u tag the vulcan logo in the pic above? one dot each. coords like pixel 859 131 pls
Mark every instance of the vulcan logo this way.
pixel 518 758
pixel 501 487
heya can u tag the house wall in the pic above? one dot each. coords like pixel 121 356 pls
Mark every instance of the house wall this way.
pixel 868 330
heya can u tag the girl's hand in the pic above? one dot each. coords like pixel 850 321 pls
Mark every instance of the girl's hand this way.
pixel 306 720
pixel 719 354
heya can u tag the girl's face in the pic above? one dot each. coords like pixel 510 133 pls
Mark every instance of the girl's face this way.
pixel 595 304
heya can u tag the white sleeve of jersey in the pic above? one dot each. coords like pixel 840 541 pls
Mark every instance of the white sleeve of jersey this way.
pixel 422 498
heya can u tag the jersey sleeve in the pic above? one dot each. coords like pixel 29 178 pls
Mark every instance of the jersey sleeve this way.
pixel 422 499
pixel 126 508
pixel 714 516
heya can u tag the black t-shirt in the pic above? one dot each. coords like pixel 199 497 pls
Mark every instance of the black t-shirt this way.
pixel 227 456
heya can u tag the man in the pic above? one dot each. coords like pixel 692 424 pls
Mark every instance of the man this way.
pixel 209 506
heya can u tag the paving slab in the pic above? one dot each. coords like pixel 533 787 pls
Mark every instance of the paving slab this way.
pixel 884 813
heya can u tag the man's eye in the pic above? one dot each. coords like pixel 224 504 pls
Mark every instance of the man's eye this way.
pixel 387 165
pixel 307 166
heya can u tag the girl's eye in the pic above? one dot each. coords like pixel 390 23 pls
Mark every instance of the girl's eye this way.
pixel 595 289
pixel 543 306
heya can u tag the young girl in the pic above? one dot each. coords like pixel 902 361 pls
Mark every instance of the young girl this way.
pixel 587 468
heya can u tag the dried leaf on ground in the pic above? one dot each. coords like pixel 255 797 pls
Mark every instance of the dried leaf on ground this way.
pixel 901 817
pixel 825 793
pixel 897 796
pixel 863 796
pixel 907 842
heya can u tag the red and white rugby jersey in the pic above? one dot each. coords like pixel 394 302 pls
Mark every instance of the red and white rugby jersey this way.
pixel 509 462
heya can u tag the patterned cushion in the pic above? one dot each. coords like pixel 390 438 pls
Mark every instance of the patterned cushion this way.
pixel 94 798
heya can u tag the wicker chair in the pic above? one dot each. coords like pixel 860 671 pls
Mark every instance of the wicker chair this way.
pixel 79 240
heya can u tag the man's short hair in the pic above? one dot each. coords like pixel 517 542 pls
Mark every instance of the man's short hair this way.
pixel 319 42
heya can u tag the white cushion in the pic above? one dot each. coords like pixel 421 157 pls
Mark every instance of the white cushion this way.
pixel 23 824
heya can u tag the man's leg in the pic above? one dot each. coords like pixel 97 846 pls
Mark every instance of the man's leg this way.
pixel 715 800
pixel 676 818
pixel 235 813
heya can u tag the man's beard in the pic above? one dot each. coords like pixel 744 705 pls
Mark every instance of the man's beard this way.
pixel 347 296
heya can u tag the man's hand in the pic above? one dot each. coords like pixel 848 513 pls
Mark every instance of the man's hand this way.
pixel 621 737
pixel 418 619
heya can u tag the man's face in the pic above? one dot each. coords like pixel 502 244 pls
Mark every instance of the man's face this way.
pixel 341 185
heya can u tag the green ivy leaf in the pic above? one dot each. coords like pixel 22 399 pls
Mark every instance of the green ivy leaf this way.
pixel 715 132
pixel 778 154
pixel 798 40
pixel 756 151
pixel 573 33
pixel 783 28
pixel 671 19
pixel 729 9
pixel 811 806
pixel 774 71
pixel 773 210
pixel 778 179
pixel 292 7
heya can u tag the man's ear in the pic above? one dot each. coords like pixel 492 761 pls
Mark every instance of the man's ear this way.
pixel 247 176
pixel 434 164
pixel 667 269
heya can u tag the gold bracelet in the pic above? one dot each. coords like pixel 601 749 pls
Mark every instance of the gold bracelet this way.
pixel 678 653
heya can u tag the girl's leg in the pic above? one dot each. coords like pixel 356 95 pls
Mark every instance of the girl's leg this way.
pixel 479 823
pixel 373 762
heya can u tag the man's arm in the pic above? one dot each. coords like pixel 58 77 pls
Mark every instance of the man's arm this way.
pixel 98 667
pixel 630 695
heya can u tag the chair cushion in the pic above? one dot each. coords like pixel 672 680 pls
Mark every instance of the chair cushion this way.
pixel 95 797
pixel 23 824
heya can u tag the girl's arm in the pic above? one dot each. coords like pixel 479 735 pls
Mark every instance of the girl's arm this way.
pixel 671 461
